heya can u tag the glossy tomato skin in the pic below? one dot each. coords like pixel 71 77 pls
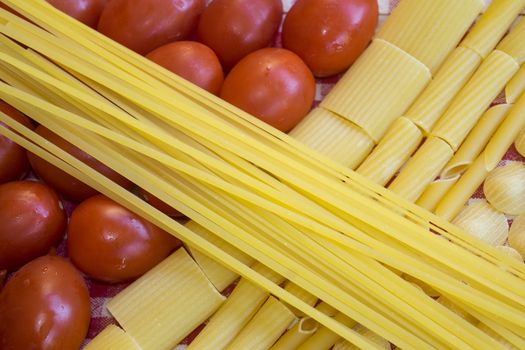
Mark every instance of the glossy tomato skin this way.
pixel 13 158
pixel 144 25
pixel 329 35
pixel 64 183
pixel 193 61
pixel 235 28
pixel 32 221
pixel 112 244
pixel 160 205
pixel 272 84
pixel 86 11
pixel 44 306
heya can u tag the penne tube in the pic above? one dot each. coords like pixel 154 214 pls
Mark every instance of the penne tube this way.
pixel 299 292
pixel 333 136
pixel 513 44
pixel 519 142
pixel 430 198
pixel 220 276
pixel 492 25
pixel 379 341
pixel 422 169
pixel 295 336
pixel 379 72
pixel 264 328
pixel 163 306
pixel 413 24
pixel 515 86
pixel 476 140
pixel 234 314
pixel 112 338
pixel 324 339
pixel 475 97
pixel 394 149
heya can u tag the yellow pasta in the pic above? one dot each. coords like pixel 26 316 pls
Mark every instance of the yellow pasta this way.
pixel 462 313
pixel 519 143
pixel 476 140
pixel 264 328
pixel 333 136
pixel 515 86
pixel 234 314
pixel 414 24
pixel 324 339
pixel 430 198
pixel 112 338
pixel 303 329
pixel 470 103
pixel 492 25
pixel 499 338
pixel 517 234
pixel 513 44
pixel 421 169
pixel 219 275
pixel 484 222
pixel 401 140
pixel 507 250
pixel 365 94
pixel 504 188
pixel 376 339
pixel 299 292
pixel 187 296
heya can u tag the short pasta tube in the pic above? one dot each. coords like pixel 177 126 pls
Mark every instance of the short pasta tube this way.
pixel 163 306
pixel 430 198
pixel 324 338
pixel 394 149
pixel 414 24
pixel 112 338
pixel 515 86
pixel 304 328
pixel 334 136
pixel 519 143
pixel 264 328
pixel 514 44
pixel 504 188
pixel 302 294
pixel 378 88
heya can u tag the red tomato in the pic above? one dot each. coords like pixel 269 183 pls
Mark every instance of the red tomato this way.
pixel 193 61
pixel 160 205
pixel 64 183
pixel 235 28
pixel 44 306
pixel 272 84
pixel 32 221
pixel 86 11
pixel 329 35
pixel 143 25
pixel 13 158
pixel 112 244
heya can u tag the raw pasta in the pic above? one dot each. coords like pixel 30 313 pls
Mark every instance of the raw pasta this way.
pixel 504 188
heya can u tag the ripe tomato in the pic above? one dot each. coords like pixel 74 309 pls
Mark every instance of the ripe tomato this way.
pixel 13 158
pixel 143 25
pixel 64 183
pixel 44 306
pixel 329 35
pixel 272 84
pixel 86 11
pixel 112 244
pixel 160 205
pixel 193 61
pixel 32 221
pixel 234 28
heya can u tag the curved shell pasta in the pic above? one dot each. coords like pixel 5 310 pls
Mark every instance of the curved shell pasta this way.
pixel 517 234
pixel 483 221
pixel 505 188
pixel 513 253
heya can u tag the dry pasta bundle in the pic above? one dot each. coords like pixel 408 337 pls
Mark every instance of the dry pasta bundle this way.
pixel 306 218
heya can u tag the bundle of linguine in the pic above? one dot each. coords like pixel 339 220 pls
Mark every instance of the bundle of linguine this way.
pixel 315 223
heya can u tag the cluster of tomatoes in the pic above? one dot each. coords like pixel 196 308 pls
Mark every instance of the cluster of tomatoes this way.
pixel 221 46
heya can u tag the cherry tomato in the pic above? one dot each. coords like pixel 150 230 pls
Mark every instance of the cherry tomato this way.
pixel 329 35
pixel 112 244
pixel 32 221
pixel 235 28
pixel 86 11
pixel 193 61
pixel 143 25
pixel 44 306
pixel 272 84
pixel 160 205
pixel 64 183
pixel 13 158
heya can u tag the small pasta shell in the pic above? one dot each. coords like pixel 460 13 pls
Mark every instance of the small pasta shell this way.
pixel 519 143
pixel 517 234
pixel 483 221
pixel 513 253
pixel 505 188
